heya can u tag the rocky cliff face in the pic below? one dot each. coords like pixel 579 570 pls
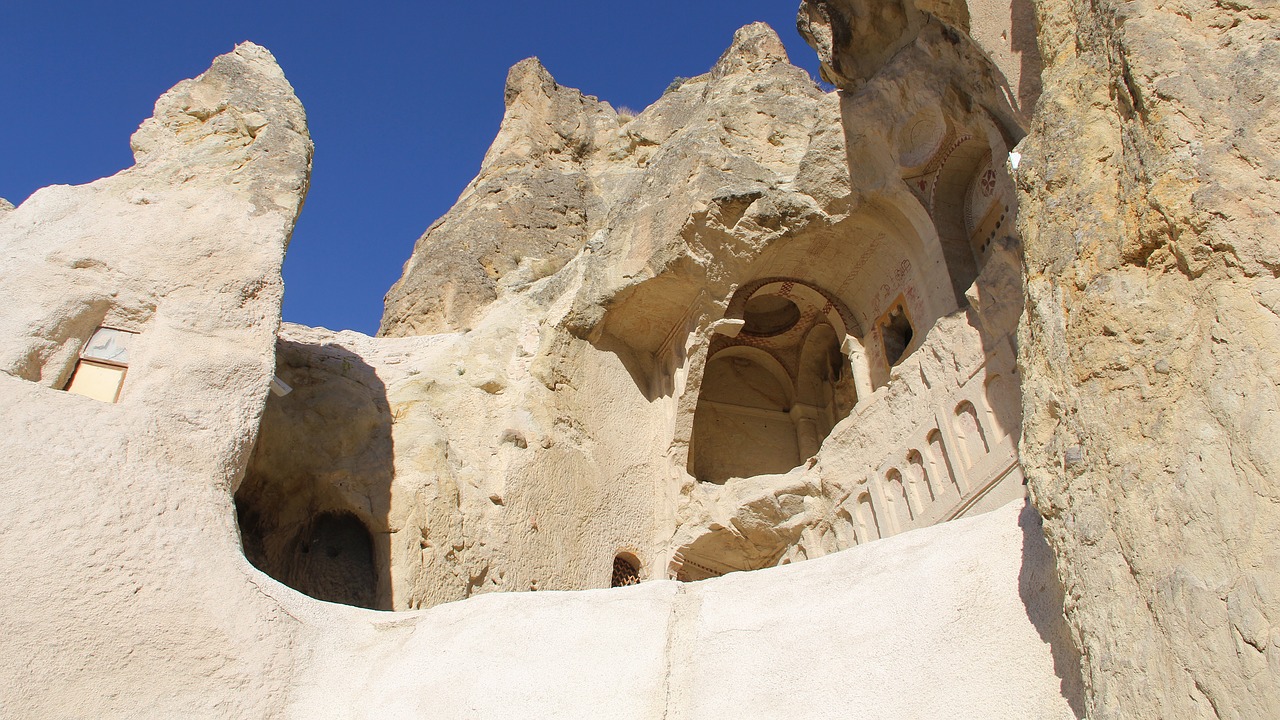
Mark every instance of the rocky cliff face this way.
pixel 528 448
pixel 597 280
pixel 576 353
pixel 1150 194
pixel 124 590
pixel 567 173
pixel 526 453
pixel 1148 188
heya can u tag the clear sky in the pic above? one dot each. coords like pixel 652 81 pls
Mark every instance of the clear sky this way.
pixel 402 98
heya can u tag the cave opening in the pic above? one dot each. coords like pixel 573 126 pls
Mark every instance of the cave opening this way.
pixel 773 392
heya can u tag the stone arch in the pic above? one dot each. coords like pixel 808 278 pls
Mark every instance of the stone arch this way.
pixel 742 424
pixel 867 523
pixel 772 391
pixel 843 527
pixel 921 478
pixel 766 362
pixel 626 570
pixel 825 390
pixel 973 441
pixel 897 333
pixel 832 309
pixel 821 367
pixel 1002 404
pixel 950 197
pixel 898 498
pixel 940 463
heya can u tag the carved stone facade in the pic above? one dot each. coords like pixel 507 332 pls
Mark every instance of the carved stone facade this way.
pixel 804 368
pixel 754 325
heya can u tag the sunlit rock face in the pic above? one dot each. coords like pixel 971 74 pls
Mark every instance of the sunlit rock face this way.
pixel 1148 345
pixel 652 359
pixel 753 324
pixel 1150 260
pixel 125 592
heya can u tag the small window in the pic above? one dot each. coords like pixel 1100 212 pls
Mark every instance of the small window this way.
pixel 100 371
pixel 626 571
pixel 896 333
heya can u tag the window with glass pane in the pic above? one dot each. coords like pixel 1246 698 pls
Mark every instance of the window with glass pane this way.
pixel 99 373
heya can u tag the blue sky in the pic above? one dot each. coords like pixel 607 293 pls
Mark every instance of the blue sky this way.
pixel 402 99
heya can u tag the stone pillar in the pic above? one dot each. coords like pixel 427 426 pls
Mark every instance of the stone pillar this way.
pixel 859 369
pixel 805 419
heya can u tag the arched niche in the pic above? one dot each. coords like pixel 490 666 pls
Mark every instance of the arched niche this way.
pixel 771 393
pixel 825 392
pixel 626 570
pixel 742 424
pixel 330 556
pixel 867 523
pixel 968 428
pixel 862 262
pixel 963 203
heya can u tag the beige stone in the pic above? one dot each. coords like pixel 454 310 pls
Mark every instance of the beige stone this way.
pixel 125 593
pixel 1149 238
pixel 754 325
pixel 639 390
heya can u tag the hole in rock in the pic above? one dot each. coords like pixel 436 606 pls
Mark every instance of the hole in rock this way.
pixel 312 504
pixel 331 556
pixel 770 396
pixel 626 571
pixel 896 332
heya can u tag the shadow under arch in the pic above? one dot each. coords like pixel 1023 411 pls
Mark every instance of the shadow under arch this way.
pixel 742 424
pixel 314 502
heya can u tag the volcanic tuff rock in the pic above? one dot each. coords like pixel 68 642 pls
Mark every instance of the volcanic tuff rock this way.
pixel 536 455
pixel 1151 192
pixel 566 169
pixel 578 293
pixel 548 433
pixel 125 592
pixel 555 425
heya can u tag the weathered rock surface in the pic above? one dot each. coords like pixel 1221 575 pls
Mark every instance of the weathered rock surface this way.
pixel 1150 191
pixel 566 171
pixel 755 324
pixel 958 620
pixel 125 593
pixel 558 427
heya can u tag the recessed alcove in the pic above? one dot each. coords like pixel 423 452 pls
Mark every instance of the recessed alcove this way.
pixel 329 556
pixel 896 333
pixel 311 505
pixel 626 570
pixel 771 394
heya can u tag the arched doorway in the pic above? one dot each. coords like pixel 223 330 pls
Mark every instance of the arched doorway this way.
pixel 771 394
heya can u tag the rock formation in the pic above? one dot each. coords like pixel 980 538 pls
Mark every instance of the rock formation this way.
pixel 1150 187
pixel 612 393
pixel 753 325
pixel 562 432
pixel 125 593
